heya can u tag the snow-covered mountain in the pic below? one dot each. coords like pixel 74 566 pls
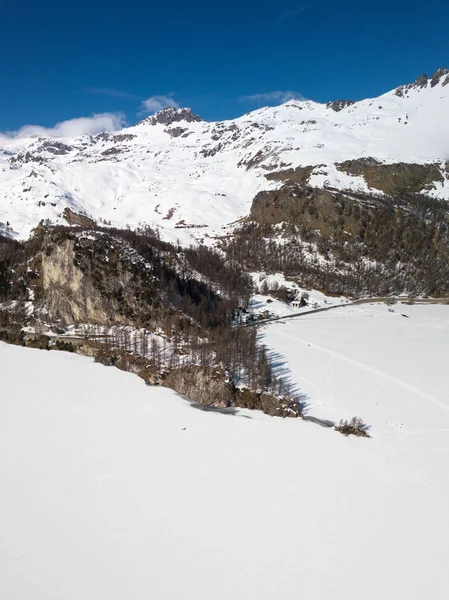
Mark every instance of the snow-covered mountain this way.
pixel 192 178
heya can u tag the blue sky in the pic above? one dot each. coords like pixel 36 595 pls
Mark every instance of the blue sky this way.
pixel 67 59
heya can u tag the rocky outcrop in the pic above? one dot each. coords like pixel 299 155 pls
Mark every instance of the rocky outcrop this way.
pixel 391 179
pixel 394 179
pixel 175 131
pixel 69 295
pixel 440 75
pixel 299 175
pixel 90 279
pixel 201 384
pixel 267 403
pixel 78 219
pixel 295 203
pixel 123 137
pixel 338 105
pixel 54 147
pixel 170 115
pixel 419 83
pixel 209 386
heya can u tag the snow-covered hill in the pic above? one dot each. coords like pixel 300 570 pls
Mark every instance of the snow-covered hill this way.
pixel 192 177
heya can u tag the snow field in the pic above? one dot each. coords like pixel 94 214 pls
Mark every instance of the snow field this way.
pixel 112 489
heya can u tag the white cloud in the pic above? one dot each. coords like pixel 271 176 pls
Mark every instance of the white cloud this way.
pixel 111 92
pixel 298 10
pixel 73 127
pixel 156 103
pixel 277 97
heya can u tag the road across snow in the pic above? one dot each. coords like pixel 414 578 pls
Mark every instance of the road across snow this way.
pixel 112 489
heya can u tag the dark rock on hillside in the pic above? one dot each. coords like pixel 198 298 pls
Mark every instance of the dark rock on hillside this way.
pixel 104 136
pixel 175 131
pixel 423 81
pixel 54 147
pixel 420 83
pixel 78 219
pixel 438 76
pixel 295 203
pixel 170 115
pixel 393 179
pixel 210 386
pixel 299 175
pixel 93 279
pixel 201 384
pixel 123 137
pixel 267 403
pixel 338 105
pixel 112 151
pixel 27 157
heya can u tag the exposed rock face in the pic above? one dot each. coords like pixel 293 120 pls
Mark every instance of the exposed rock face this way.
pixel 54 147
pixel 104 136
pixel 338 105
pixel 123 137
pixel 75 218
pixel 206 385
pixel 299 175
pixel 270 405
pixel 85 280
pixel 62 283
pixel 170 115
pixel 175 131
pixel 395 178
pixel 27 157
pixel 438 76
pixel 112 151
pixel 422 82
pixel 295 203
pixel 201 384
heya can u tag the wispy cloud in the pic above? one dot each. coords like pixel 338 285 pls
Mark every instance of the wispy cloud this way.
pixel 156 103
pixel 276 97
pixel 300 8
pixel 111 92
pixel 73 127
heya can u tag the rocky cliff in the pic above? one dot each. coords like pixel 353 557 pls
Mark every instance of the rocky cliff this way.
pixel 93 279
pixel 347 243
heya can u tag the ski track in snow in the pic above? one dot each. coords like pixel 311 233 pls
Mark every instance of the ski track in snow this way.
pixel 361 365
pixel 370 362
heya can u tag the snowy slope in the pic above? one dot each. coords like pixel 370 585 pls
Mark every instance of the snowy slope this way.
pixel 173 170
pixel 112 489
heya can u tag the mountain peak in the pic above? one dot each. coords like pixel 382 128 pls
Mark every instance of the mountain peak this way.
pixel 170 115
pixel 440 76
